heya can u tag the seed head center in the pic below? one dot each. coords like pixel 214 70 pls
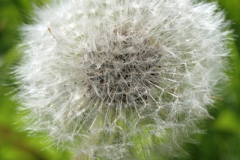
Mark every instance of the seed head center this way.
pixel 125 72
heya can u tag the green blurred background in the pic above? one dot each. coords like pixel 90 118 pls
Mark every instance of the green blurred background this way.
pixel 222 138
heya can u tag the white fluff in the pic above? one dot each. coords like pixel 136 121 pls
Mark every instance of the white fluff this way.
pixel 122 79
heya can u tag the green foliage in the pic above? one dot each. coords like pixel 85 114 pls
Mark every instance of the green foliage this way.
pixel 220 142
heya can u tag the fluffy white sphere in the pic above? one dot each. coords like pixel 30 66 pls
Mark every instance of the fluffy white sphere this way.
pixel 121 79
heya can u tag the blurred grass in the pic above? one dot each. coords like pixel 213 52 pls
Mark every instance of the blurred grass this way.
pixel 222 138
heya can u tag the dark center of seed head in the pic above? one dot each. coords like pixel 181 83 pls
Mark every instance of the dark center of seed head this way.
pixel 124 75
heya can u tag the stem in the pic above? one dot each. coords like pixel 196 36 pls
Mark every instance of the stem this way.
pixel 9 136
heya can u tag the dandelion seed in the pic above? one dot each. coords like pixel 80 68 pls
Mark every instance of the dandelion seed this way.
pixel 51 34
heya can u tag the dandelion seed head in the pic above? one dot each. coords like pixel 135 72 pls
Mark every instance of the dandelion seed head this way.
pixel 122 79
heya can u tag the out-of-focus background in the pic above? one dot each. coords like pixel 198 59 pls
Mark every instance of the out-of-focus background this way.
pixel 222 138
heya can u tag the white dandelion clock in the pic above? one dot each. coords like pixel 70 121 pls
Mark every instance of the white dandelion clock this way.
pixel 122 79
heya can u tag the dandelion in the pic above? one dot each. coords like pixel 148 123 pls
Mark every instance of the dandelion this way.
pixel 122 79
